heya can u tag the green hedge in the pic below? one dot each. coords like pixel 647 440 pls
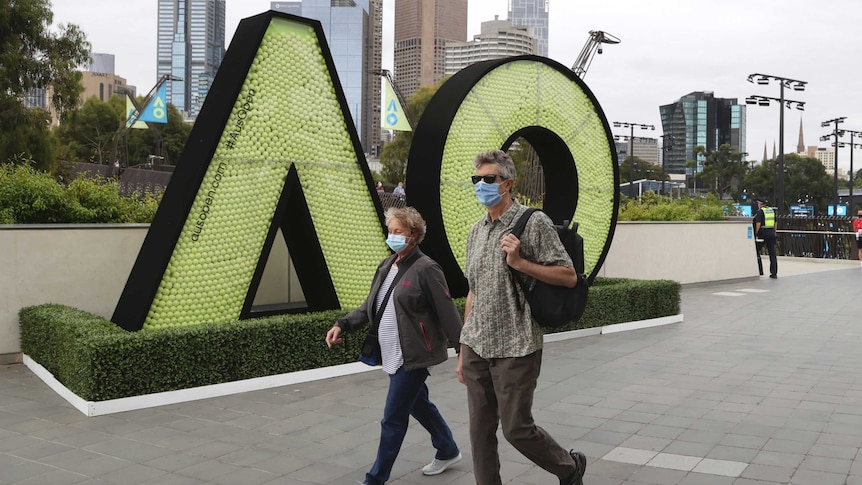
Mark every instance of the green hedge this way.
pixel 98 360
pixel 28 196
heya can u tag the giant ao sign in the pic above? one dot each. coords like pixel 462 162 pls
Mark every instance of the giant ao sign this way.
pixel 274 147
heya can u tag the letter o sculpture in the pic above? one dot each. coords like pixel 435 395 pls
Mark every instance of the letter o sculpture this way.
pixel 489 105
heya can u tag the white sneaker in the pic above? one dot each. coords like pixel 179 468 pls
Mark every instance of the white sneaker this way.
pixel 437 467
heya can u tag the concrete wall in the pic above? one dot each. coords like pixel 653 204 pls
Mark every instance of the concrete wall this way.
pixel 86 266
pixel 688 252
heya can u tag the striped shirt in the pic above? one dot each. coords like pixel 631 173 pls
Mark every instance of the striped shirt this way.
pixel 387 333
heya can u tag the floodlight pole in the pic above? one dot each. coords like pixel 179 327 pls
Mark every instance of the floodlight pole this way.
pixel 780 189
pixel 852 147
pixel 666 146
pixel 631 125
pixel 835 133
pixel 798 86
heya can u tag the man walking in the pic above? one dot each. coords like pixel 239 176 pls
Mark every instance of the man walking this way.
pixel 501 346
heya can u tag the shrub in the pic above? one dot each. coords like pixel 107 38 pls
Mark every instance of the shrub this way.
pixel 28 196
pixel 651 207
pixel 97 360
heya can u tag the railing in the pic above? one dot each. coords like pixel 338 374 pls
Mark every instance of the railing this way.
pixel 816 237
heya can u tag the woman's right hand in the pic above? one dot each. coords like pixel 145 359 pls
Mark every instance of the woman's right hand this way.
pixel 333 336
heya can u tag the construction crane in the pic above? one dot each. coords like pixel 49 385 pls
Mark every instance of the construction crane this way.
pixel 591 48
pixel 161 146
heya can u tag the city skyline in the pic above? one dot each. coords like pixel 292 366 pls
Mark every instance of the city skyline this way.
pixel 191 45
pixel 350 30
pixel 669 48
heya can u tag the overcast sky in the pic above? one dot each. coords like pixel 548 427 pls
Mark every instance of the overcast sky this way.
pixel 669 48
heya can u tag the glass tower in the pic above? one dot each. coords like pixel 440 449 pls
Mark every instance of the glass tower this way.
pixel 533 13
pixel 699 118
pixel 190 47
pixel 354 33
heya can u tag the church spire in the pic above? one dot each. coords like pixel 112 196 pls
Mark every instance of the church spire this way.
pixel 764 152
pixel 800 148
pixel 774 150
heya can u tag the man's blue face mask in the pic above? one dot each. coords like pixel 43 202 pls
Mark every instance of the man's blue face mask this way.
pixel 488 194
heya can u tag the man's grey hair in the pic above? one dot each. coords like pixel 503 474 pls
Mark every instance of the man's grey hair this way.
pixel 497 157
pixel 411 218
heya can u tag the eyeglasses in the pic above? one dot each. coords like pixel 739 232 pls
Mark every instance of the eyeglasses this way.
pixel 488 179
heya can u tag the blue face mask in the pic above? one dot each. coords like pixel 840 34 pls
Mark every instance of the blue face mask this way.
pixel 396 242
pixel 488 194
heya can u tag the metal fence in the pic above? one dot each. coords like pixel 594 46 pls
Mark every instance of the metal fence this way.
pixel 816 237
pixel 132 181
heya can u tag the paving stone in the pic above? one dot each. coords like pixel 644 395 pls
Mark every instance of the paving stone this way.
pixel 808 477
pixel 819 463
pixel 768 473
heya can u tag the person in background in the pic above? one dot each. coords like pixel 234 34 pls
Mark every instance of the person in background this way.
pixel 380 188
pixel 501 345
pixel 857 227
pixel 764 228
pixel 418 316
pixel 399 190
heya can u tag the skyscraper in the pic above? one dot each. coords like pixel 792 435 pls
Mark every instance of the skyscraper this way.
pixel 533 13
pixel 498 39
pixel 699 118
pixel 422 29
pixel 191 47
pixel 354 33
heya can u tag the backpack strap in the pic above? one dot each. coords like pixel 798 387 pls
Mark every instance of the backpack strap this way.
pixel 521 224
pixel 518 231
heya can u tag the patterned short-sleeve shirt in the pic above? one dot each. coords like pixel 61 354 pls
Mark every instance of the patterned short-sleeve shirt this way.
pixel 495 327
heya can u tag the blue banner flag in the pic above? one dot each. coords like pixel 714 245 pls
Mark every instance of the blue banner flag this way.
pixel 157 110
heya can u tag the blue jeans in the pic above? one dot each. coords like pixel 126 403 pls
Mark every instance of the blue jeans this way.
pixel 408 396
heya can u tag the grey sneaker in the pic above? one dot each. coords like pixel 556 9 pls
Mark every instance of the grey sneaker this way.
pixel 576 478
pixel 437 467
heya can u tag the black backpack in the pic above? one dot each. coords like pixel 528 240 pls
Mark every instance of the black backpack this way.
pixel 550 305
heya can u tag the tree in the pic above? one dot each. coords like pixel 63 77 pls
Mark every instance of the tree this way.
pixel 639 169
pixel 723 169
pixel 760 181
pixel 34 57
pixel 25 137
pixel 393 157
pixel 805 181
pixel 88 132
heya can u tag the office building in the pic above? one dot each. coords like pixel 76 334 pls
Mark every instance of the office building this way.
pixel 102 85
pixel 532 13
pixel 191 46
pixel 646 149
pixel 499 38
pixel 103 63
pixel 826 156
pixel 422 30
pixel 293 7
pixel 354 33
pixel 701 119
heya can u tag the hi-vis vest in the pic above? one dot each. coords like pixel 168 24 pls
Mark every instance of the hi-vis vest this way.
pixel 768 218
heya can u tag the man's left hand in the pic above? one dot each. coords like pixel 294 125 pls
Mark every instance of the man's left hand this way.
pixel 511 245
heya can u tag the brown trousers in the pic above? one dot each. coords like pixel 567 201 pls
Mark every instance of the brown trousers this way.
pixel 501 390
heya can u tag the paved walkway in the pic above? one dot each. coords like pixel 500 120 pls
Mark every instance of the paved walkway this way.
pixel 762 384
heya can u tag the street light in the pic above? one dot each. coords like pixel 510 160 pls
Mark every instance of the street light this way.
pixel 631 138
pixel 666 146
pixel 836 133
pixel 795 85
pixel 853 146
